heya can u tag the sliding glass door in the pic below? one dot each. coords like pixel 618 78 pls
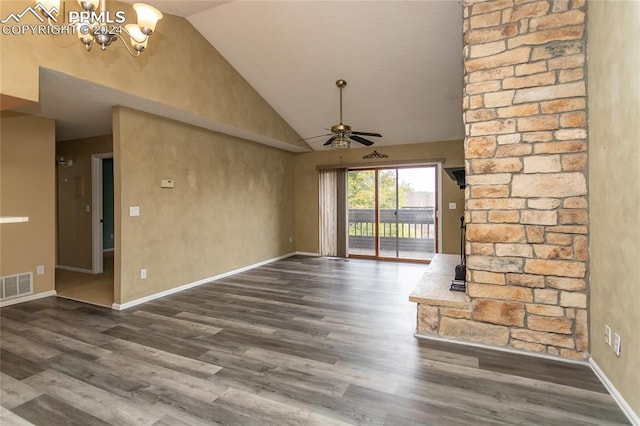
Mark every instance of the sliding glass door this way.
pixel 361 209
pixel 392 213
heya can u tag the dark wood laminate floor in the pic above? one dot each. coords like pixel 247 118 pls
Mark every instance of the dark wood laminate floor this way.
pixel 298 341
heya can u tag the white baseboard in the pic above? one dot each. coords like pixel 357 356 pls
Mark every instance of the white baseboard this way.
pixel 74 269
pixel 624 406
pixel 27 298
pixel 306 253
pixel 127 305
pixel 502 349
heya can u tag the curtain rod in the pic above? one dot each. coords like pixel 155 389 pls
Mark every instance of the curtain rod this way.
pixel 381 164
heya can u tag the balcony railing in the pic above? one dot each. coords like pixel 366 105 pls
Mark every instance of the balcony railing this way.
pixel 411 229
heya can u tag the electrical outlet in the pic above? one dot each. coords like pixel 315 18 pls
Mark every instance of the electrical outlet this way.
pixel 143 274
pixel 617 344
pixel 607 335
pixel 40 269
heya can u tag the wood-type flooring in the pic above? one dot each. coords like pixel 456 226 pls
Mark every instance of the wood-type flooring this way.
pixel 295 342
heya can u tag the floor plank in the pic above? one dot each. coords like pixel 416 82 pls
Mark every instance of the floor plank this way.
pixel 299 341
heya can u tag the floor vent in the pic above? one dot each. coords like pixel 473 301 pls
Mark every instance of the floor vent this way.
pixel 17 285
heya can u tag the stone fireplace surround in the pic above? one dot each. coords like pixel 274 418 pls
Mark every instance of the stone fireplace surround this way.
pixel 526 198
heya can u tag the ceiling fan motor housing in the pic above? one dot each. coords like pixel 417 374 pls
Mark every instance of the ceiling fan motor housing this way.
pixel 341 130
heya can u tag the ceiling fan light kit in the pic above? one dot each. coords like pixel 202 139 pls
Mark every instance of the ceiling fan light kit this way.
pixel 341 134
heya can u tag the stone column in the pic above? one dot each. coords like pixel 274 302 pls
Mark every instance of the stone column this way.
pixel 526 158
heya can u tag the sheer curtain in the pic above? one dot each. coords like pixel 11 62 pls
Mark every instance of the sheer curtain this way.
pixel 333 212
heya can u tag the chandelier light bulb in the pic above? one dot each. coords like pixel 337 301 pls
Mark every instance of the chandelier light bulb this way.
pixel 148 17
pixel 50 4
pixel 89 4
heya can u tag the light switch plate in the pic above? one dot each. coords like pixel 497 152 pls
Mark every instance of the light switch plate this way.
pixel 134 211
pixel 40 269
pixel 617 344
pixel 166 183
pixel 453 206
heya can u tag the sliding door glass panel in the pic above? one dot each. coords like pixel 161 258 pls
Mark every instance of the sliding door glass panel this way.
pixel 417 213
pixel 362 212
pixel 388 212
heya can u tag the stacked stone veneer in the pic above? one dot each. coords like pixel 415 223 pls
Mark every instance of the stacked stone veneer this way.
pixel 526 159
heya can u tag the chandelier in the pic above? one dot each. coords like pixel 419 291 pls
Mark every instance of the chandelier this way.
pixel 95 25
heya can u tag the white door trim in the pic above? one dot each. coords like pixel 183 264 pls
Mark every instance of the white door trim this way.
pixel 96 211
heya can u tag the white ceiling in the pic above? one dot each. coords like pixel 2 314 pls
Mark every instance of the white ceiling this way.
pixel 402 61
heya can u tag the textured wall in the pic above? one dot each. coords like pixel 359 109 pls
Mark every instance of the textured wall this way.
pixel 614 182
pixel 232 204
pixel 180 69
pixel 27 188
pixel 74 192
pixel 526 158
pixel 306 180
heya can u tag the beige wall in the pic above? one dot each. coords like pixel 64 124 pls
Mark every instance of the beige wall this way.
pixel 232 204
pixel 27 188
pixel 614 179
pixel 306 182
pixel 74 195
pixel 180 69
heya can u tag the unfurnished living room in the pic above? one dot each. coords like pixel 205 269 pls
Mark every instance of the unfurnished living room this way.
pixel 319 212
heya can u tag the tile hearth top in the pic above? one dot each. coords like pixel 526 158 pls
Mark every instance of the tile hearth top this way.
pixel 433 287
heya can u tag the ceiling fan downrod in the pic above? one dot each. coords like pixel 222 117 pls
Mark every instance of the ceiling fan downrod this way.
pixel 341 131
pixel 341 83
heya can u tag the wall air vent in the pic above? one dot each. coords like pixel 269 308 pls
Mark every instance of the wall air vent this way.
pixel 17 285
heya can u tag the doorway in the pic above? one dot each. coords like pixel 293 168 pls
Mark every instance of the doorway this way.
pixel 87 215
pixel 392 213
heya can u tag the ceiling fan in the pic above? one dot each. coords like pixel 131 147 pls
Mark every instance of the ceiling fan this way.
pixel 341 134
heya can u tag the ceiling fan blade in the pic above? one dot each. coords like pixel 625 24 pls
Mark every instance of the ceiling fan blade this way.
pixel 363 141
pixel 377 135
pixel 313 137
pixel 331 139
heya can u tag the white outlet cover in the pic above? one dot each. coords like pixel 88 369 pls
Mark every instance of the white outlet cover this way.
pixel 134 211
pixel 143 273
pixel 453 206
pixel 40 270
pixel 607 335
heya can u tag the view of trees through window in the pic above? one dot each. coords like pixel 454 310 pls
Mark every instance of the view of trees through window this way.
pixel 362 190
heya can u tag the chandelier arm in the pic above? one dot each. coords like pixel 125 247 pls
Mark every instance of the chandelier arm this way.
pixel 146 36
pixel 126 46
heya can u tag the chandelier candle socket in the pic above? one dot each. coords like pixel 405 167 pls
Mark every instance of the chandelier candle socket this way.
pixel 95 24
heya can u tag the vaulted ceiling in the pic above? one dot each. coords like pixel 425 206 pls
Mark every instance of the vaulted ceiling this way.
pixel 402 61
